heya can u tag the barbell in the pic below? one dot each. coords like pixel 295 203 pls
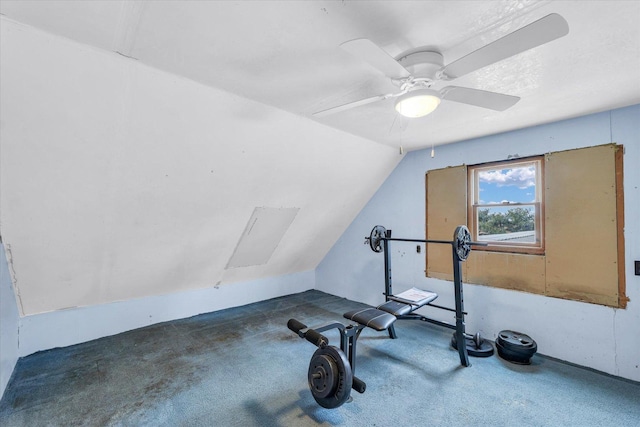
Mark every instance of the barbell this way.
pixel 461 240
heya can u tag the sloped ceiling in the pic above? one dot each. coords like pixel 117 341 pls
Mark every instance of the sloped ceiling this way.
pixel 138 137
pixel 121 181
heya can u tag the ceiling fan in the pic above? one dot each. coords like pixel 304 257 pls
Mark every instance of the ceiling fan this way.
pixel 416 70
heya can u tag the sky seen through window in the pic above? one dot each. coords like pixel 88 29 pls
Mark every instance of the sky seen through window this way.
pixel 516 185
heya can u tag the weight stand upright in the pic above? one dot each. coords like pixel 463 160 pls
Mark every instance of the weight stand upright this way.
pixel 457 281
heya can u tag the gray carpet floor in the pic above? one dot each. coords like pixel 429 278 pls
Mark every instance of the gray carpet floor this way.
pixel 243 367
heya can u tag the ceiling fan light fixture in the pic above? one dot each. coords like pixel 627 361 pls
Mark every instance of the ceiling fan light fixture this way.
pixel 418 103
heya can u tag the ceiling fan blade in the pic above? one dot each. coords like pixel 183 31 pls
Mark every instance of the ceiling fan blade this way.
pixel 542 31
pixel 350 105
pixel 479 98
pixel 368 51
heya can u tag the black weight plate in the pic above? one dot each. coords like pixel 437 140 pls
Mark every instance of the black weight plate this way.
pixel 462 242
pixel 330 377
pixel 516 341
pixel 520 358
pixel 377 233
pixel 323 375
pixel 485 349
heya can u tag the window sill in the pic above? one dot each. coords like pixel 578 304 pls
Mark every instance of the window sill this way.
pixel 510 249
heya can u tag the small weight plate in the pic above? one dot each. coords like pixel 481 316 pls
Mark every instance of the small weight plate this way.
pixel 330 377
pixel 476 346
pixel 323 375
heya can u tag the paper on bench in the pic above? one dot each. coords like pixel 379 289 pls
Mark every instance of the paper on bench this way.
pixel 416 296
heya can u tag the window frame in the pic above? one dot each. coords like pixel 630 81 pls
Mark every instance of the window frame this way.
pixel 473 206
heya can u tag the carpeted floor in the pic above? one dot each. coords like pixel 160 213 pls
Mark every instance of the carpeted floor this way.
pixel 243 367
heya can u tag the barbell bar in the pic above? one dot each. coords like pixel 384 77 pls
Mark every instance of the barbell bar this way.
pixel 461 240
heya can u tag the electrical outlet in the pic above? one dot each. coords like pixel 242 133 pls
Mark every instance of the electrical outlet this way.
pixel 419 249
pixel 637 265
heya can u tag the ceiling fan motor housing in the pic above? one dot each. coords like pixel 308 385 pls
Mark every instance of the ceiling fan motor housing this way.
pixel 421 62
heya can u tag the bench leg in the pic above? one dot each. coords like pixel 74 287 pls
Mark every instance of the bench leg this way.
pixel 392 332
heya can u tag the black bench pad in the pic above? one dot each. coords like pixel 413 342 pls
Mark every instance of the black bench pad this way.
pixel 371 317
pixel 396 308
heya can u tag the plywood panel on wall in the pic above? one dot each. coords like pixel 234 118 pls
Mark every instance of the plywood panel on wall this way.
pixel 446 209
pixel 581 226
pixel 521 272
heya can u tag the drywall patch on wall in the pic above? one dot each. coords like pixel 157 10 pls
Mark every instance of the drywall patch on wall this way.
pixel 9 322
pixel 12 275
pixel 261 236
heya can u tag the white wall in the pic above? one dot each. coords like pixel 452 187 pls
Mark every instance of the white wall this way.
pixel 73 326
pixel 8 323
pixel 590 335
pixel 119 181
pixel 77 325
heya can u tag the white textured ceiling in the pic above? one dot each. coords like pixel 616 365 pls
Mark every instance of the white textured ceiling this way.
pixel 286 54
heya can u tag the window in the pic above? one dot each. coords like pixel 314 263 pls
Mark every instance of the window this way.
pixel 505 205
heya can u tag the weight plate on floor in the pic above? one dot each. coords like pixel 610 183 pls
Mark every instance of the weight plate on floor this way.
pixel 516 340
pixel 330 377
pixel 476 346
pixel 514 356
pixel 516 347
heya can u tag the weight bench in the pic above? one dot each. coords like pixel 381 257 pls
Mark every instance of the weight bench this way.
pixel 331 370
pixel 382 317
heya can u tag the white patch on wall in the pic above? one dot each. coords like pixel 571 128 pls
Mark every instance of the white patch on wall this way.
pixel 261 237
